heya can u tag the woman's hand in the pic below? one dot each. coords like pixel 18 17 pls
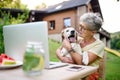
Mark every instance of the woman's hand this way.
pixel 63 59
pixel 67 60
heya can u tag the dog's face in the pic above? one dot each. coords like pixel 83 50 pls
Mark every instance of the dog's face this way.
pixel 69 33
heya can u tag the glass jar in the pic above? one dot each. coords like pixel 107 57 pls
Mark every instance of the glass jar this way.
pixel 33 61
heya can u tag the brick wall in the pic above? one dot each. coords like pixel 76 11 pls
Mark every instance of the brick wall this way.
pixel 59 20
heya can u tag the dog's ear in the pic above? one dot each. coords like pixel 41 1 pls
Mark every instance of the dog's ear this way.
pixel 62 34
pixel 78 38
pixel 76 35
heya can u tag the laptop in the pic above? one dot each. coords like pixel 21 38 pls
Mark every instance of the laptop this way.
pixel 16 37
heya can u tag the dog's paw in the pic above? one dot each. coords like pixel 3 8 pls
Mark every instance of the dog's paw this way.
pixel 77 48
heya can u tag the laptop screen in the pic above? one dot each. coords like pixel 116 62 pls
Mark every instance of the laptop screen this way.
pixel 16 37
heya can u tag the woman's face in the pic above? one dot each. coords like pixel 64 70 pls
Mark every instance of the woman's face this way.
pixel 84 31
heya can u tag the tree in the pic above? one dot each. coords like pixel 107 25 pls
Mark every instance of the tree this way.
pixel 6 18
pixel 115 40
pixel 118 45
pixel 12 4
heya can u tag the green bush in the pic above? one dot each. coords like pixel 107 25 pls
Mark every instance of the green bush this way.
pixel 7 19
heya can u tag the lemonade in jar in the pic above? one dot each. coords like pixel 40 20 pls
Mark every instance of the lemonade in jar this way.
pixel 33 61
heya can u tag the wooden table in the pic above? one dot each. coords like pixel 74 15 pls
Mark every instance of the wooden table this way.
pixel 48 74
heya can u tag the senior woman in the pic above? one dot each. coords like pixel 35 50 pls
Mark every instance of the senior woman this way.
pixel 92 48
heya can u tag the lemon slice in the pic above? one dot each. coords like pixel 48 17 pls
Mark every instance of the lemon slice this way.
pixel 8 62
pixel 40 65
pixel 41 62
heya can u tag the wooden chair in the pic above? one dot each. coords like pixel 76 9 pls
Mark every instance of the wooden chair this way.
pixel 102 67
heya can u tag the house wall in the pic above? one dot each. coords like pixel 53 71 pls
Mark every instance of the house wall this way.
pixel 59 20
pixel 80 11
pixel 89 8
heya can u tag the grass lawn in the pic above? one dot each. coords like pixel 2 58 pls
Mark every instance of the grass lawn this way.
pixel 53 45
pixel 112 61
pixel 112 67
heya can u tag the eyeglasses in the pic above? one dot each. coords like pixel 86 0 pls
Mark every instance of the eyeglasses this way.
pixel 82 28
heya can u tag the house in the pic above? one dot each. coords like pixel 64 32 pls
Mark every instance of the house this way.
pixel 67 14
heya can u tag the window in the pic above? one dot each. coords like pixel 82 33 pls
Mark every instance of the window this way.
pixel 52 25
pixel 67 22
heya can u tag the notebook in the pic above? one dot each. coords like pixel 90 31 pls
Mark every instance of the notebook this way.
pixel 16 37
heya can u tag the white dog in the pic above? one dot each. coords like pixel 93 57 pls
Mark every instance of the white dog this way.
pixel 71 34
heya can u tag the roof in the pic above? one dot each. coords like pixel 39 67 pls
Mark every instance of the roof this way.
pixel 66 5
pixel 11 10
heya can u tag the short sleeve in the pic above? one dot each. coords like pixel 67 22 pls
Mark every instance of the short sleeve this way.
pixel 98 49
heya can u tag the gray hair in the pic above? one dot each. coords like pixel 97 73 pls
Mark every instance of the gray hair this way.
pixel 92 20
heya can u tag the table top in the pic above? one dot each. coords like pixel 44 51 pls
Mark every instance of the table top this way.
pixel 61 73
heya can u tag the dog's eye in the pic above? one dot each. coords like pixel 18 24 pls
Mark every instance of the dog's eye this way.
pixel 67 30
